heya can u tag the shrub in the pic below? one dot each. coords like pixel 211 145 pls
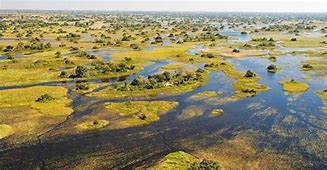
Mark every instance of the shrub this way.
pixel 45 98
pixel 249 73
pixel 205 165
pixel 63 74
pixel 209 55
pixel 235 50
pixel 307 66
pixel 271 68
pixel 81 86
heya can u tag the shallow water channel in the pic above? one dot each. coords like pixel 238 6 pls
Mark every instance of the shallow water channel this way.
pixel 144 145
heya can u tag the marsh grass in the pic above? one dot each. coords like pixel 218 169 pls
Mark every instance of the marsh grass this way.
pixel 176 160
pixel 92 125
pixel 292 86
pixel 323 96
pixel 190 112
pixel 167 90
pixel 5 130
pixel 243 86
pixel 134 113
pixel 29 118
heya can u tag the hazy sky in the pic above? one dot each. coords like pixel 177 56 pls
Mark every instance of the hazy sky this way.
pixel 172 5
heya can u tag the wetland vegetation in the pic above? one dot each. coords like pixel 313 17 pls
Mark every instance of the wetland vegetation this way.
pixel 154 90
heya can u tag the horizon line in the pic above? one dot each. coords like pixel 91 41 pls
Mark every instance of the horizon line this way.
pixel 122 10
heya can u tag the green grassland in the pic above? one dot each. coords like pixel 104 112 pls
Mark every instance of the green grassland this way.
pixel 23 117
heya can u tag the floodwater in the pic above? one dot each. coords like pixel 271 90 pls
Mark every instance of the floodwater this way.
pixel 236 34
pixel 143 145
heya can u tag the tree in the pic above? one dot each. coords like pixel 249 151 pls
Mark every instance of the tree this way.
pixel 45 98
pixel 57 54
pixel 80 72
pixel 249 73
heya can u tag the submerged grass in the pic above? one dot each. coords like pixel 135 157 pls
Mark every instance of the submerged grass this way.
pixel 243 86
pixel 190 112
pixel 205 95
pixel 139 112
pixel 323 95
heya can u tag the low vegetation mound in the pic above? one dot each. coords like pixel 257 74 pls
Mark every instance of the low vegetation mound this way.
pixel 323 95
pixel 183 160
pixel 91 125
pixel 140 112
pixel 244 85
pixel 164 83
pixel 293 86
pixel 5 130
pixel 217 112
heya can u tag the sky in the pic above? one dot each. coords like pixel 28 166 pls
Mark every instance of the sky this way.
pixel 172 5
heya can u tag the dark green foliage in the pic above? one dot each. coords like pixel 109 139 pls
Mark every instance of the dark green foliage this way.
pixel 63 74
pixel 72 35
pixel 45 98
pixel 81 86
pixel 307 66
pixel 235 50
pixel 134 46
pixel 57 54
pixel 249 73
pixel 272 58
pixel 160 80
pixel 142 116
pixel 80 72
pixel 10 57
pixel 84 54
pixel 208 55
pixel 8 48
pixel 252 92
pixel 102 67
pixel 271 68
pixel 205 165
pixel 67 61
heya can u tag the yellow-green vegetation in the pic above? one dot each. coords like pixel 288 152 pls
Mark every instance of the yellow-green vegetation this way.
pixel 184 161
pixel 33 110
pixel 160 53
pixel 176 160
pixel 244 85
pixel 318 64
pixel 171 67
pixel 28 97
pixel 301 41
pixel 84 88
pixel 5 130
pixel 305 42
pixel 323 95
pixel 190 112
pixel 139 112
pixel 217 112
pixel 292 86
pixel 91 125
pixel 35 68
pixel 205 95
pixel 228 52
pixel 166 89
